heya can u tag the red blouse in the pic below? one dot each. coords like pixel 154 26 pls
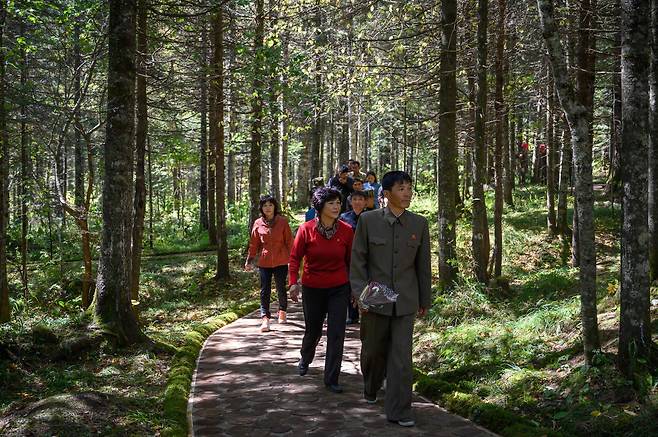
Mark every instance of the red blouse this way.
pixel 326 262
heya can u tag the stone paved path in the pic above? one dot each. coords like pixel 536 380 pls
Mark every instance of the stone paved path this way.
pixel 246 384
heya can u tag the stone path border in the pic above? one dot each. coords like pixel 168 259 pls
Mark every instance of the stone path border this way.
pixel 246 384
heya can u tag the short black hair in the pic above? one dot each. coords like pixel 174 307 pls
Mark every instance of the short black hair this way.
pixel 373 175
pixel 323 195
pixel 357 179
pixel 393 177
pixel 268 198
pixel 354 161
pixel 357 194
pixel 342 169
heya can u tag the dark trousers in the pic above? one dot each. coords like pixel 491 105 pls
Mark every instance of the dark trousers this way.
pixel 280 274
pixel 386 353
pixel 317 303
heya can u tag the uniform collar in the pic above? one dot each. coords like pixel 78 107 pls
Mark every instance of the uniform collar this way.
pixel 392 219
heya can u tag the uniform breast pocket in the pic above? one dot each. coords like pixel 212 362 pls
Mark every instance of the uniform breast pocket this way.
pixel 377 241
pixel 412 246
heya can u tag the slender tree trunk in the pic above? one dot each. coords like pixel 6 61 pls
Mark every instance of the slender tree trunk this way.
pixel 653 146
pixel 563 186
pixel 203 113
pixel 139 201
pixel 150 176
pixel 579 123
pixel 635 320
pixel 480 237
pixel 232 175
pixel 447 153
pixel 24 189
pixel 79 162
pixel 283 126
pixel 218 91
pixel 5 309
pixel 113 309
pixel 213 180
pixel 550 160
pixel 256 114
pixel 499 105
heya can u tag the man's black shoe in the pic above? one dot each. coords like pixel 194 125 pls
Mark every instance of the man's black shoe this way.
pixel 303 368
pixel 370 399
pixel 335 388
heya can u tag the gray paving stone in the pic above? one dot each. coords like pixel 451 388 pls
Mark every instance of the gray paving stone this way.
pixel 246 383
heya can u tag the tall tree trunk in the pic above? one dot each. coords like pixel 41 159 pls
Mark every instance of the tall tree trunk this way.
pixel 218 91
pixel 24 189
pixel 635 321
pixel 447 153
pixel 139 201
pixel 5 309
pixel 550 159
pixel 256 114
pixel 480 237
pixel 213 180
pixel 203 113
pixel 150 176
pixel 579 123
pixel 499 105
pixel 616 113
pixel 563 186
pixel 79 162
pixel 113 309
pixel 232 175
pixel 283 125
pixel 653 146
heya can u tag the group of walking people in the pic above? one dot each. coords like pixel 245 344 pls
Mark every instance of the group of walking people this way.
pixel 340 250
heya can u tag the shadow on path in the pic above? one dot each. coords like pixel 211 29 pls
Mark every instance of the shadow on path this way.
pixel 246 384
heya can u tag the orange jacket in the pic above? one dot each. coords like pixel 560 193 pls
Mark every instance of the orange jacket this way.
pixel 273 244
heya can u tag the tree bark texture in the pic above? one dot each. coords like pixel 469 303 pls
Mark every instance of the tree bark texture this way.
pixel 579 124
pixel 499 105
pixel 563 185
pixel 5 309
pixel 113 307
pixel 203 113
pixel 447 153
pixel 550 159
pixel 653 146
pixel 217 85
pixel 635 322
pixel 256 114
pixel 480 236
pixel 139 201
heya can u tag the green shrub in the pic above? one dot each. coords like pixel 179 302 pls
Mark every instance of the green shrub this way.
pixel 432 387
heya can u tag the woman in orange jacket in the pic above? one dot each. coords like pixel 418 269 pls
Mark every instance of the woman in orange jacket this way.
pixel 271 240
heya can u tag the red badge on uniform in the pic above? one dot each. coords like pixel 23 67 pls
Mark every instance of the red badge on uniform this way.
pixel 413 236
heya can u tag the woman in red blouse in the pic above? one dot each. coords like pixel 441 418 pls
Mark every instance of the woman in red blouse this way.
pixel 325 244
pixel 271 241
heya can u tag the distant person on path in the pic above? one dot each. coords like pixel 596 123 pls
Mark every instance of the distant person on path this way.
pixel 392 247
pixel 270 242
pixel 355 169
pixel 351 217
pixel 371 187
pixel 325 244
pixel 343 183
pixel 311 213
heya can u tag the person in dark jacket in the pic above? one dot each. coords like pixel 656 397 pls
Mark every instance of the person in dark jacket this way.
pixel 343 183
pixel 351 217
pixel 392 247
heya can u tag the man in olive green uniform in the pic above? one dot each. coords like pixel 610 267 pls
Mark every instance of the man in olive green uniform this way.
pixel 392 246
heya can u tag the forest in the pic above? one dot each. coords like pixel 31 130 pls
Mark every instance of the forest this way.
pixel 137 136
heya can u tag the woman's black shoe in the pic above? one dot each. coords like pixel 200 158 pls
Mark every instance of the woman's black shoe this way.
pixel 303 368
